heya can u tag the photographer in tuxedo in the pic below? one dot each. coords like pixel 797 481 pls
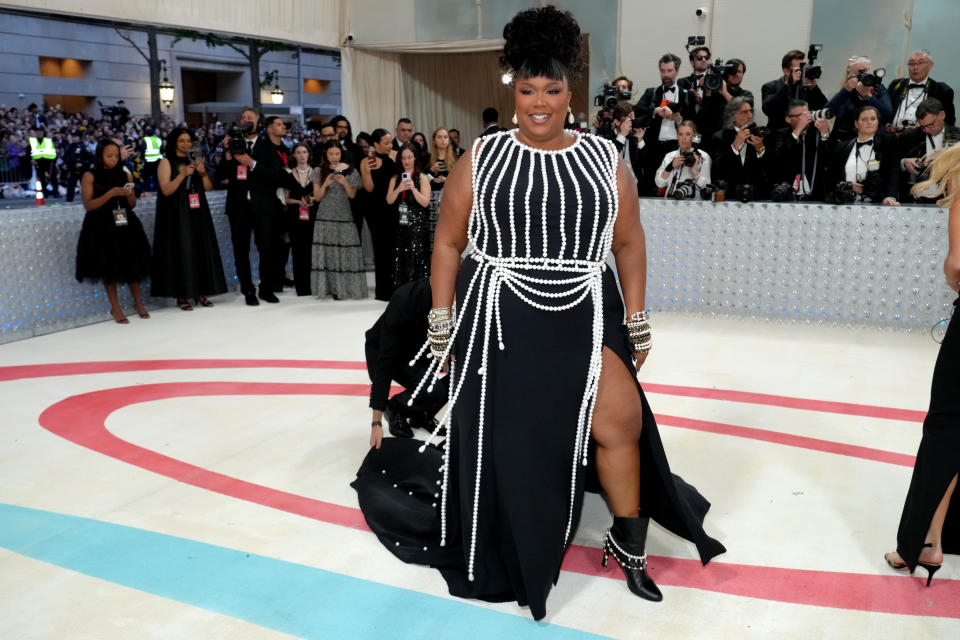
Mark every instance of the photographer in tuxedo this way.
pixel 794 85
pixel 710 118
pixel 863 164
pixel 800 152
pixel 738 153
pixel 906 94
pixel 669 104
pixel 264 171
pixel 699 61
pixel 629 142
pixel 240 208
pixel 918 146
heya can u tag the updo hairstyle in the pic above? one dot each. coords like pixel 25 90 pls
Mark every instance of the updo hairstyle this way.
pixel 542 42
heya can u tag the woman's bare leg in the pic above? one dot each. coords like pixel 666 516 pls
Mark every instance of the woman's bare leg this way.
pixel 115 309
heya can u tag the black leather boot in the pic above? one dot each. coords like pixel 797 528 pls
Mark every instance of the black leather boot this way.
pixel 625 541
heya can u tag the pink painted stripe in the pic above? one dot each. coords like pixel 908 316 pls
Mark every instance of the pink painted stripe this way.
pixel 19 372
pixel 807 404
pixel 788 439
pixel 81 419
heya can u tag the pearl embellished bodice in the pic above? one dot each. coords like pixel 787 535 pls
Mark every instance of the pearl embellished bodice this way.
pixel 541 225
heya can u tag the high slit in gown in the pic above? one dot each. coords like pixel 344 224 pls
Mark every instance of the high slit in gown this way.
pixel 535 306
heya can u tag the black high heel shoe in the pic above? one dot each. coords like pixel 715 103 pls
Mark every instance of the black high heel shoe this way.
pixel 931 568
pixel 625 541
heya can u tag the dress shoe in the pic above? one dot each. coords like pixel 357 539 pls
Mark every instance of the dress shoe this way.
pixel 397 425
pixel 287 282
pixel 251 299
pixel 268 296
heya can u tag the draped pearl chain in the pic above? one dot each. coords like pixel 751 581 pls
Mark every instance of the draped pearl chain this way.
pixel 501 264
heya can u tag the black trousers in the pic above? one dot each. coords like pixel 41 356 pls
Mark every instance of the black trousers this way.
pixel 243 222
pixel 301 245
pixel 46 174
pixel 73 175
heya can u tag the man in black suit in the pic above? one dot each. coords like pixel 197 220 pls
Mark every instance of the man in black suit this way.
pixel 265 172
pixel 738 154
pixel 669 104
pixel 699 61
pixel 404 132
pixel 391 344
pixel 239 208
pixel 455 142
pixel 350 152
pixel 777 94
pixel 918 146
pixel 491 121
pixel 800 153
pixel 710 117
pixel 906 94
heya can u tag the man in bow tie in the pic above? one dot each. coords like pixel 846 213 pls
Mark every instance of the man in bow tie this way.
pixel 669 103
pixel 906 94
pixel 918 146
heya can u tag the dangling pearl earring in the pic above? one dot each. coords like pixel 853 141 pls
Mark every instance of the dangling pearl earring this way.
pixel 570 118
pixel 514 118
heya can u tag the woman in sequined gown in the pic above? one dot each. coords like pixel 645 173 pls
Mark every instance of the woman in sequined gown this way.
pixel 409 200
pixel 930 522
pixel 338 266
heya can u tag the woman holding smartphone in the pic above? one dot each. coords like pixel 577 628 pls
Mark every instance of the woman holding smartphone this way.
pixel 409 198
pixel 186 257
pixel 112 247
pixel 442 160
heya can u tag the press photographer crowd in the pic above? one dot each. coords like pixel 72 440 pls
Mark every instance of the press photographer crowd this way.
pixel 696 135
pixel 307 193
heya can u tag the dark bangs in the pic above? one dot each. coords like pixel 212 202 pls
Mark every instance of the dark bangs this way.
pixel 542 67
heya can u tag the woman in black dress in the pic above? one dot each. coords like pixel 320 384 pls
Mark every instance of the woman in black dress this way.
pixel 376 172
pixel 930 522
pixel 301 215
pixel 542 380
pixel 408 195
pixel 113 247
pixel 186 257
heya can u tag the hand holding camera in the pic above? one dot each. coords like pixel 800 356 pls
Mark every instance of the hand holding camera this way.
pixel 742 136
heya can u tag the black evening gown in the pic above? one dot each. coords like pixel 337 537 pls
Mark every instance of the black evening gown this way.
pixel 186 256
pixel 412 247
pixel 107 252
pixel 382 220
pixel 301 235
pixel 938 458
pixel 522 387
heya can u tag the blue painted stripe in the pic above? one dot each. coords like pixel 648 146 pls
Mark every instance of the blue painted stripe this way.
pixel 287 597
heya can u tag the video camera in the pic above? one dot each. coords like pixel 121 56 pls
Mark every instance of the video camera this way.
pixel 609 96
pixel 713 80
pixel 238 137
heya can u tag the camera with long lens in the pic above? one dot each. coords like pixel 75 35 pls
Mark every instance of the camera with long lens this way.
pixel 684 190
pixel 824 113
pixel 812 71
pixel 871 80
pixel 843 193
pixel 609 96
pixel 238 137
pixel 782 192
pixel 713 80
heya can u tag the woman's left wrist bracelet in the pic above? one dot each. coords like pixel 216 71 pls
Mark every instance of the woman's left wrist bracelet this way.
pixel 376 423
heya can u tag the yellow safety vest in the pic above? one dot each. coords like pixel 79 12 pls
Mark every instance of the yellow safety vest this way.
pixel 42 150
pixel 152 153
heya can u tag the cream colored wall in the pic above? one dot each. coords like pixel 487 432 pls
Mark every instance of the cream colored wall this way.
pixel 310 22
pixel 758 32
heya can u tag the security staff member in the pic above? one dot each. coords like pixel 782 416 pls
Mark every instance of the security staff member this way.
pixel 43 154
pixel 151 157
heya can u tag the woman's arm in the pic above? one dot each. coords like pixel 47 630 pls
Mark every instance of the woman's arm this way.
pixel 422 195
pixel 629 246
pixel 659 178
pixel 951 266
pixel 288 200
pixel 205 179
pixel 169 186
pixel 86 193
pixel 704 170
pixel 451 236
pixel 393 190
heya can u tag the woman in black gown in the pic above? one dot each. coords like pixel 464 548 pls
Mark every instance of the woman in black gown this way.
pixel 376 172
pixel 186 257
pixel 113 247
pixel 543 379
pixel 930 522
pixel 301 214
pixel 409 201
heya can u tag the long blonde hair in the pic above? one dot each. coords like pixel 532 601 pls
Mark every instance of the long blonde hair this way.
pixel 448 157
pixel 944 174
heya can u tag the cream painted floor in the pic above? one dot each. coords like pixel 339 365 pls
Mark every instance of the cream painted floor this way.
pixel 774 505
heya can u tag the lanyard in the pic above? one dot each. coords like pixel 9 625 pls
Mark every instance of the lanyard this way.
pixel 283 157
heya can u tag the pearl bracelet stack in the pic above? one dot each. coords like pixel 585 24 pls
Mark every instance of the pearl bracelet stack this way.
pixel 638 325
